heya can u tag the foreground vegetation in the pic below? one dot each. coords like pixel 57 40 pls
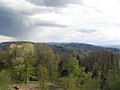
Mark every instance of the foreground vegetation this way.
pixel 39 65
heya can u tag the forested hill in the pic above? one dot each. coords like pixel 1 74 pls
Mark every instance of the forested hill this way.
pixel 67 66
pixel 81 47
pixel 76 47
pixel 68 47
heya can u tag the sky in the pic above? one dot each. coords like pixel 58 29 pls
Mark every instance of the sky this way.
pixel 85 21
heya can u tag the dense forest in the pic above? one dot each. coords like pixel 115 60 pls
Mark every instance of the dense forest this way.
pixel 58 67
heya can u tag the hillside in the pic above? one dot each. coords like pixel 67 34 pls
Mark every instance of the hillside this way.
pixel 57 65
pixel 69 47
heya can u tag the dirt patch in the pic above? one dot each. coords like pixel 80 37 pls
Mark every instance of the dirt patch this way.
pixel 34 86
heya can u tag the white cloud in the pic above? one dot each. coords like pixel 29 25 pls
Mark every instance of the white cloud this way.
pixel 6 38
pixel 64 23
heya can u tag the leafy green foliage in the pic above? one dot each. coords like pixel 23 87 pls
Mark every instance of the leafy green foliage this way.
pixel 46 57
pixel 5 80
pixel 68 83
pixel 73 66
pixel 25 62
pixel 113 80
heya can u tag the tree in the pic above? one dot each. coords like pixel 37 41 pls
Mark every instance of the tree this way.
pixel 42 75
pixel 5 60
pixel 46 57
pixel 99 63
pixel 23 61
pixel 113 79
pixel 73 66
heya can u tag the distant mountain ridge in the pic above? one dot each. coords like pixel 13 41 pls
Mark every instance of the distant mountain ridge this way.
pixel 113 46
pixel 68 47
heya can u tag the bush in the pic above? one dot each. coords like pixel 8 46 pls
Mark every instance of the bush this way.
pixel 91 84
pixel 113 81
pixel 5 80
pixel 68 83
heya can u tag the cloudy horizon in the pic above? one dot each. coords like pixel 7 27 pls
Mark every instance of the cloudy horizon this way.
pixel 87 21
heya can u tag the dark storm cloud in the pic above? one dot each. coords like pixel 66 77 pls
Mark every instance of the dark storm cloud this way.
pixel 53 3
pixel 11 23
